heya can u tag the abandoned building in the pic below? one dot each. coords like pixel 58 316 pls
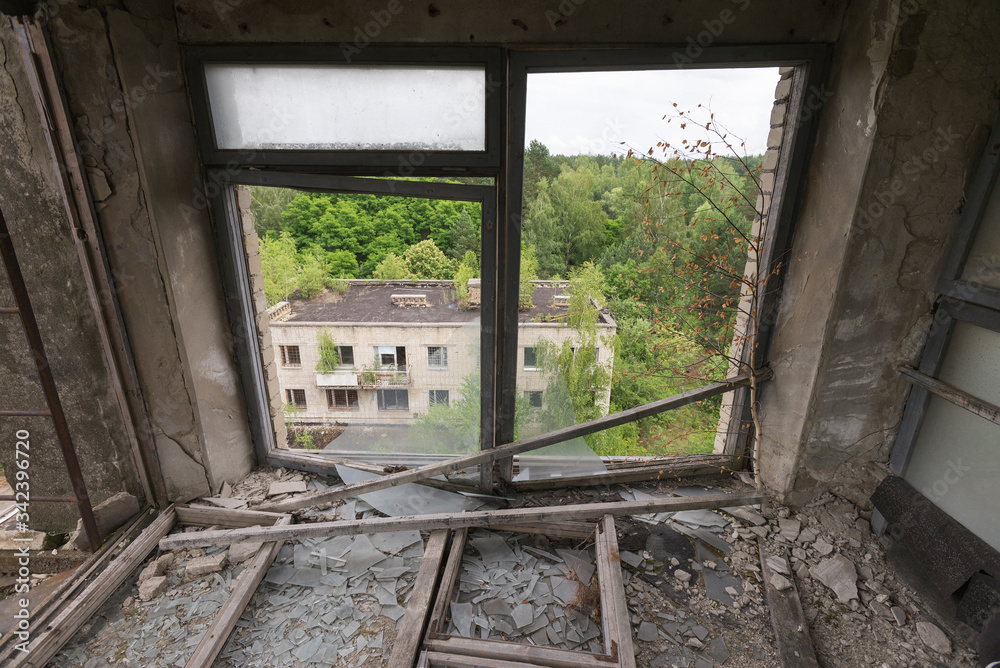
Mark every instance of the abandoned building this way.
pixel 403 347
pixel 859 452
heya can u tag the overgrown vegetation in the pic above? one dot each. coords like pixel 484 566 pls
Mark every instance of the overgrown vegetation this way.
pixel 658 239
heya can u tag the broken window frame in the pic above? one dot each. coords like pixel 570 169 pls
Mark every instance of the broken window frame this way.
pixel 959 301
pixel 506 109
pixel 292 397
pixel 616 631
pixel 343 353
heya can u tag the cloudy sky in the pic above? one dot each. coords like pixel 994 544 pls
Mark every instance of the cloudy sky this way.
pixel 592 112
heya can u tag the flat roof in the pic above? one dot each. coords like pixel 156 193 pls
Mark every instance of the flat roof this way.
pixel 371 301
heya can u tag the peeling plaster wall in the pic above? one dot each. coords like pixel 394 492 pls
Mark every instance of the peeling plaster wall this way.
pixel 126 94
pixel 915 90
pixel 45 246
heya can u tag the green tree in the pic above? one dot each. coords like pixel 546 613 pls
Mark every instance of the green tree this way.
pixel 329 354
pixel 391 268
pixel 314 271
pixel 425 260
pixel 267 205
pixel 464 236
pixel 279 266
pixel 529 273
pixel 468 269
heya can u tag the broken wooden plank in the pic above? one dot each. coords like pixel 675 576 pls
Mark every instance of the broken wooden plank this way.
pixel 225 618
pixel 949 392
pixel 558 529
pixel 41 611
pixel 510 449
pixel 614 608
pixel 234 518
pixel 441 660
pixel 532 655
pixel 662 470
pixel 447 585
pixel 478 518
pixel 407 642
pixel 795 648
pixel 61 628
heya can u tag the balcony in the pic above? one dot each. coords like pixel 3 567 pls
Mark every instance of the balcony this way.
pixel 398 376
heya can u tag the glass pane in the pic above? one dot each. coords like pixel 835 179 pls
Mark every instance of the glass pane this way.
pixel 340 107
pixel 955 464
pixel 972 362
pixel 377 294
pixel 983 265
pixel 631 263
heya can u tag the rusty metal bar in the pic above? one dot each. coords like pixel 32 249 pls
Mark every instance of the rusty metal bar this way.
pixel 46 499
pixel 9 309
pixel 25 413
pixel 20 292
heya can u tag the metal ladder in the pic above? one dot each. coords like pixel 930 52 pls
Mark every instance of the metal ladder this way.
pixel 55 411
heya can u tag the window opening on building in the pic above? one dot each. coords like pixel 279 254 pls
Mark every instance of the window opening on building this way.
pixel 290 357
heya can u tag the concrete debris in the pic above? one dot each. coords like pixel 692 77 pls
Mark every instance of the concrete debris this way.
pixel 780 582
pixel 152 587
pixel 204 565
pixel 898 615
pixel 824 548
pixel 109 515
pixel 30 540
pixel 789 529
pixel 682 575
pixel 293 487
pixel 156 568
pixel 934 637
pixel 838 574
pixel 224 502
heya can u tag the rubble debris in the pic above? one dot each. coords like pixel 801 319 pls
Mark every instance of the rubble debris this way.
pixel 152 587
pixel 290 487
pixel 109 515
pixel 838 574
pixel 934 637
pixel 31 540
pixel 204 565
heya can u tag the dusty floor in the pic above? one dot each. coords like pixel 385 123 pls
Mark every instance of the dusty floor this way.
pixel 692 580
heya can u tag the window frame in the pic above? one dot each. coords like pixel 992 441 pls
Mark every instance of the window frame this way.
pixel 292 397
pixel 286 356
pixel 343 171
pixel 331 393
pixel 443 366
pixel 431 401
pixel 349 161
pixel 380 403
pixel 340 356
pixel 534 357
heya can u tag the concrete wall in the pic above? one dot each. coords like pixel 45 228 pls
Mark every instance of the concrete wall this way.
pixel 914 92
pixel 45 245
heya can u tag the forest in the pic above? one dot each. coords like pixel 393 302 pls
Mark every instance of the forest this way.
pixel 661 243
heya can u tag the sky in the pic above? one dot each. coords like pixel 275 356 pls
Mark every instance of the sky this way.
pixel 593 112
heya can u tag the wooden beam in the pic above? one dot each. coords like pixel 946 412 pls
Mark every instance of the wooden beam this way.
pixel 533 655
pixel 407 642
pixel 441 660
pixel 661 470
pixel 795 648
pixel 510 449
pixel 479 518
pixel 42 611
pixel 447 585
pixel 948 392
pixel 64 625
pixel 576 530
pixel 234 518
pixel 614 608
pixel 225 619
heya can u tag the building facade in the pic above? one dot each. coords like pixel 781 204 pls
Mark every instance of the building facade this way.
pixel 404 346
